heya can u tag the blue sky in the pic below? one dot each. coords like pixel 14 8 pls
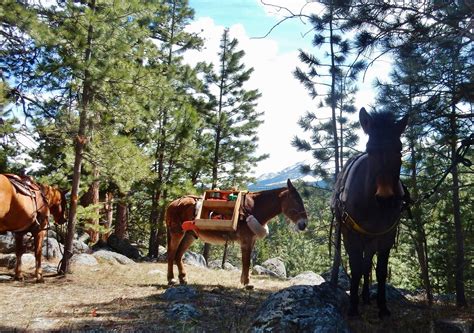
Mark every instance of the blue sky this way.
pixel 257 23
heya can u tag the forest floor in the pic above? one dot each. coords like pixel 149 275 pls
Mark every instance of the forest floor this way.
pixel 128 298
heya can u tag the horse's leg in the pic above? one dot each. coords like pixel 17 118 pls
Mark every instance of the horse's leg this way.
pixel 356 262
pixel 186 242
pixel 367 269
pixel 173 243
pixel 382 267
pixel 38 251
pixel 246 247
pixel 19 250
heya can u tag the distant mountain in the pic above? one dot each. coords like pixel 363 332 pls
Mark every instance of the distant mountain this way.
pixel 272 180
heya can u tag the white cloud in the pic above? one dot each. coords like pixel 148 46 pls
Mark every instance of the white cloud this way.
pixel 284 100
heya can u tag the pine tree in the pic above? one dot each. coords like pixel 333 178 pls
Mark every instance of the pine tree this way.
pixel 232 119
pixel 332 137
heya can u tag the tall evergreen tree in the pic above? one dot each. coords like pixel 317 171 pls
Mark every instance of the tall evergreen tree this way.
pixel 332 137
pixel 174 117
pixel 232 119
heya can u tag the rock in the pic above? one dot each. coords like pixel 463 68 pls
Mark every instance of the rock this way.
pixel 48 268
pixel 307 278
pixel 51 234
pixel 8 260
pixel 84 237
pixel 113 257
pixel 453 326
pixel 344 280
pixel 84 259
pixel 183 312
pixel 28 260
pixel 259 270
pixel 7 243
pixel 180 293
pixel 195 259
pixel 277 266
pixel 123 246
pixel 303 309
pixel 52 249
pixel 162 254
pixel 79 246
pixel 5 278
pixel 217 264
pixel 391 293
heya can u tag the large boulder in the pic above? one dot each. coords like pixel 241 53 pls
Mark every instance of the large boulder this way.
pixel 343 281
pixel 277 266
pixel 79 246
pixel 180 293
pixel 195 259
pixel 260 270
pixel 113 257
pixel 8 260
pixel 391 294
pixel 303 309
pixel 7 243
pixel 307 278
pixel 217 264
pixel 84 259
pixel 183 312
pixel 52 249
pixel 123 246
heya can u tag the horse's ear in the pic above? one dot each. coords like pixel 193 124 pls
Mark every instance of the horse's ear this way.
pixel 402 124
pixel 365 120
pixel 289 184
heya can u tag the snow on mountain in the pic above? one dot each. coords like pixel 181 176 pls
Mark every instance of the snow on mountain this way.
pixel 278 179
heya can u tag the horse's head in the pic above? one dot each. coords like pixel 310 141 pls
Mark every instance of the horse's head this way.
pixel 293 207
pixel 57 203
pixel 384 151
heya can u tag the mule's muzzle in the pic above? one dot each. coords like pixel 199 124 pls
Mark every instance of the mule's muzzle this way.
pixel 387 202
pixel 301 224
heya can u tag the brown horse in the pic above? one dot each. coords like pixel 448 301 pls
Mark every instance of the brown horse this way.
pixel 263 205
pixel 369 206
pixel 26 208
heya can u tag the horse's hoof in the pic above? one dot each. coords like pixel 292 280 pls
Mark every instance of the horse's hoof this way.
pixel 384 313
pixel 183 282
pixel 40 280
pixel 19 278
pixel 249 287
pixel 172 282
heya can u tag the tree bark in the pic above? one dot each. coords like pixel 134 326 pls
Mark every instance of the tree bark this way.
pixel 80 142
pixel 109 214
pixel 121 223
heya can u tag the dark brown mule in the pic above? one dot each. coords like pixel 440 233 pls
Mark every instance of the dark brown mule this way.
pixel 370 207
pixel 264 205
pixel 27 209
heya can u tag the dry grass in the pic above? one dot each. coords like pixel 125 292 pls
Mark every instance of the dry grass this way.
pixel 128 298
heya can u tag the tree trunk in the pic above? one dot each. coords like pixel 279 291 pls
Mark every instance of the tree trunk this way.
pixel 109 214
pixel 93 232
pixel 153 241
pixel 121 223
pixel 80 142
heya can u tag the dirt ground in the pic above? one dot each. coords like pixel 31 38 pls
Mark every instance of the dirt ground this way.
pixel 127 298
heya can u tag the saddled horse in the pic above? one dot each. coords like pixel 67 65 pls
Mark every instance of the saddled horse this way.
pixel 368 203
pixel 25 206
pixel 263 205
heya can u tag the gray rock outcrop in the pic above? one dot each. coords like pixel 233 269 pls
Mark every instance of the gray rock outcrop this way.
pixel 303 309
